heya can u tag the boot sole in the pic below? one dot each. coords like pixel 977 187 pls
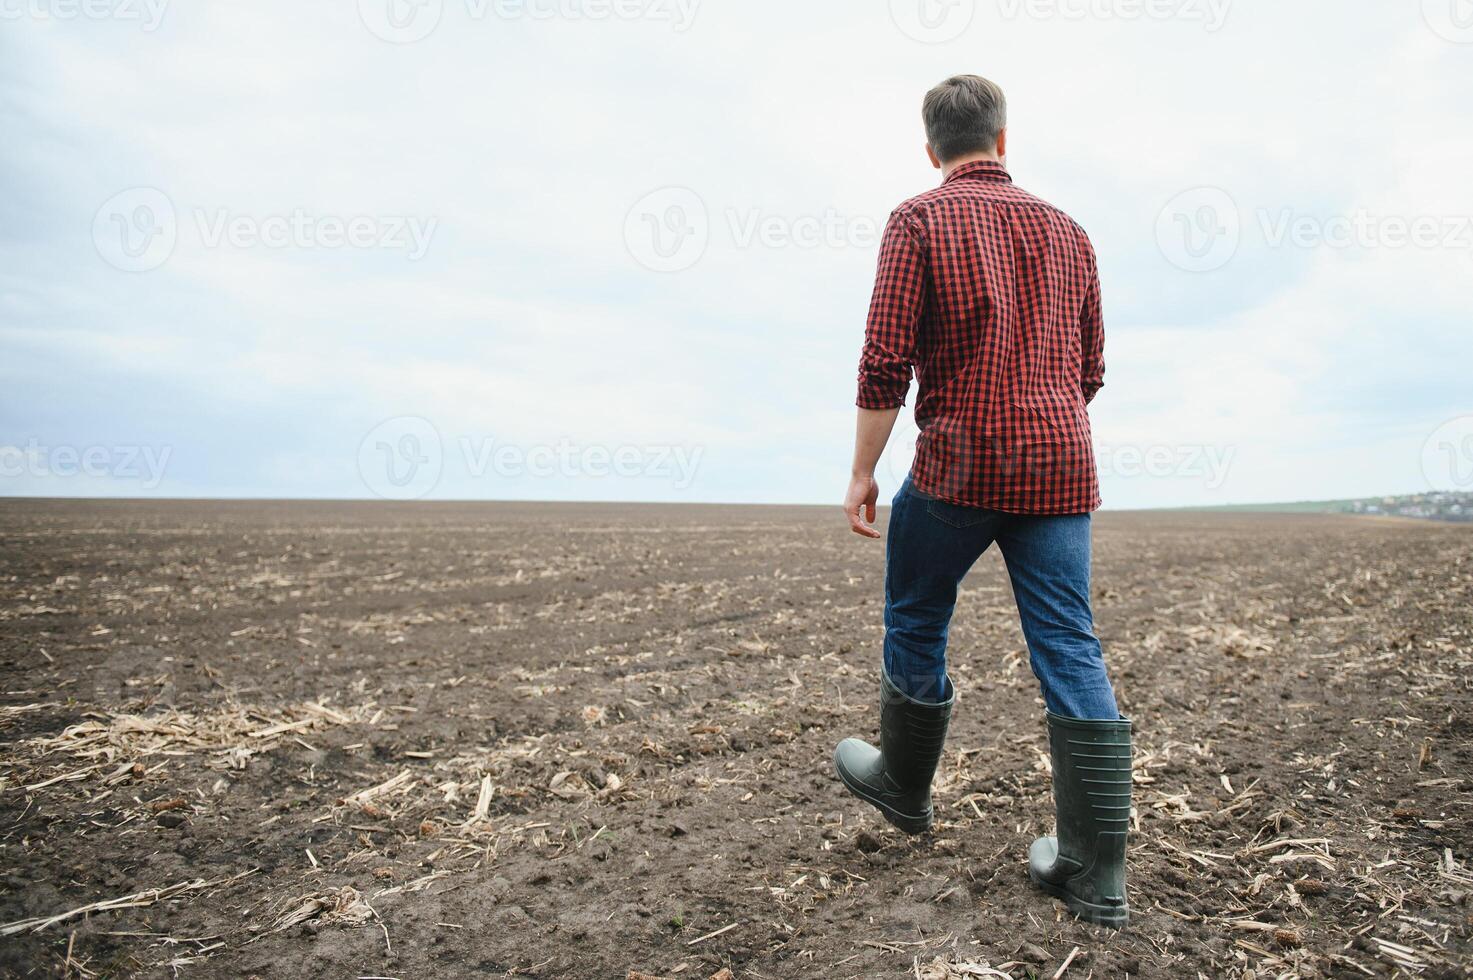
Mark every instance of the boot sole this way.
pixel 907 822
pixel 1111 916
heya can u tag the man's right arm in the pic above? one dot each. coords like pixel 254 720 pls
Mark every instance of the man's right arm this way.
pixel 871 432
pixel 894 315
pixel 886 364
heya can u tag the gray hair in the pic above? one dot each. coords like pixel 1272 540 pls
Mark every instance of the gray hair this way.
pixel 963 115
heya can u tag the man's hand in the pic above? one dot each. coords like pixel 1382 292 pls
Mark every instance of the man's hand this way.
pixel 863 494
pixel 871 432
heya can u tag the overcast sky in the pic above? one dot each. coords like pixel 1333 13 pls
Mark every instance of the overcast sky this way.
pixel 622 249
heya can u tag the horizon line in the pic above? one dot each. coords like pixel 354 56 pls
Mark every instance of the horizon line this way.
pixel 126 498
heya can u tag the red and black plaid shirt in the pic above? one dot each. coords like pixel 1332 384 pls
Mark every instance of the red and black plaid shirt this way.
pixel 992 295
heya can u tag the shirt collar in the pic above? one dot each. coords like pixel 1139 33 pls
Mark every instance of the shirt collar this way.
pixel 980 170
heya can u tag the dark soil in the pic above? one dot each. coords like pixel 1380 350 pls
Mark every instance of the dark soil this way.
pixel 387 740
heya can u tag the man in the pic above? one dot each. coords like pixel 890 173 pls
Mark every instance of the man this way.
pixel 993 297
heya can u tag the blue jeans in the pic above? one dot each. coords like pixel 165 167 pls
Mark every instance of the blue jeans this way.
pixel 931 546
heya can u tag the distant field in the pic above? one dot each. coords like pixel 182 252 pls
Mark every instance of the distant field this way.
pixel 1292 507
pixel 1453 507
pixel 348 740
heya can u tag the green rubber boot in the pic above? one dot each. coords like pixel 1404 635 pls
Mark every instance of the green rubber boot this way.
pixel 1085 864
pixel 896 777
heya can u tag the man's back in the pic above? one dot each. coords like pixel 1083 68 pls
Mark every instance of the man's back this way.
pixel 993 295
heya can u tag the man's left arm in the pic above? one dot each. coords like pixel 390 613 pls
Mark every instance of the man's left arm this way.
pixel 1091 330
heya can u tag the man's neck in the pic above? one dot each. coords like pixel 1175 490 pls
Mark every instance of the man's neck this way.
pixel 949 166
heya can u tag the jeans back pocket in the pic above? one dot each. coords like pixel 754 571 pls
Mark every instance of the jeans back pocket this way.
pixel 955 515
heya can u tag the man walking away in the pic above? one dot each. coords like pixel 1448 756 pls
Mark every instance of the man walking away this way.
pixel 992 296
